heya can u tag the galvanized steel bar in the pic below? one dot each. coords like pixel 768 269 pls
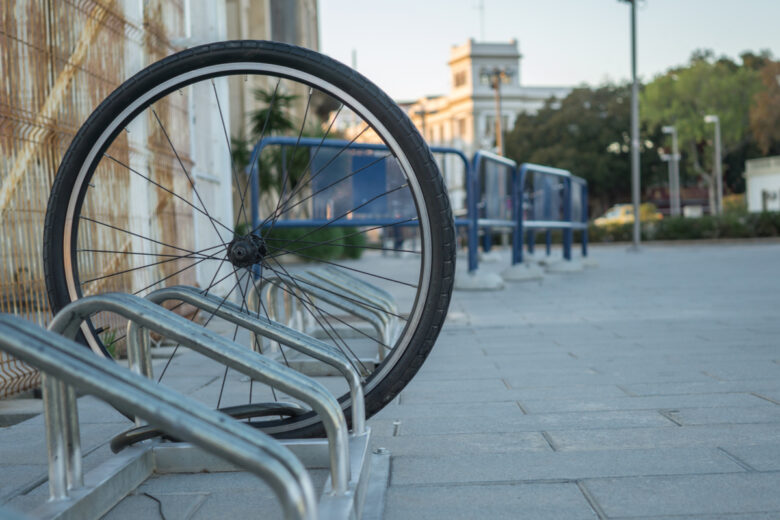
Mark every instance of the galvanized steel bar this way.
pixel 66 362
pixel 273 330
pixel 146 314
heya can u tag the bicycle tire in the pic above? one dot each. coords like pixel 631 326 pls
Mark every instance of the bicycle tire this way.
pixel 289 63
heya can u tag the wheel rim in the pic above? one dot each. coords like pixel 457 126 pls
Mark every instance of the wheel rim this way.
pixel 79 195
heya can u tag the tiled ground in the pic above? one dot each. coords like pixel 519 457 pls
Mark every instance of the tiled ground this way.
pixel 648 387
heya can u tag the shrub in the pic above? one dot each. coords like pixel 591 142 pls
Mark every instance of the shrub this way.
pixel 733 224
pixel 312 244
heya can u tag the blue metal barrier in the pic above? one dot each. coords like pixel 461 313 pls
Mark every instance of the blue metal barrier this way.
pixel 492 199
pixel 551 198
pixel 499 194
pixel 338 200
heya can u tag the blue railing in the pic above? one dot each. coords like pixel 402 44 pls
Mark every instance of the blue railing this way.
pixel 551 199
pixel 499 194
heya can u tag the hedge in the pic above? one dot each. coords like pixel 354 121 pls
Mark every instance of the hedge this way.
pixel 737 225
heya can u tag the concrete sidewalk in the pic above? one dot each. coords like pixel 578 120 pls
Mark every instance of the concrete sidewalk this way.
pixel 648 387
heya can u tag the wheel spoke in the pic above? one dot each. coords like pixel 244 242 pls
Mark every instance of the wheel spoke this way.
pixel 136 253
pixel 308 302
pixel 81 217
pixel 331 241
pixel 168 191
pixel 224 299
pixel 292 158
pixel 342 266
pixel 227 141
pixel 189 178
pixel 262 136
pixel 331 221
pixel 312 177
pixel 125 271
pixel 170 276
pixel 362 168
pixel 348 298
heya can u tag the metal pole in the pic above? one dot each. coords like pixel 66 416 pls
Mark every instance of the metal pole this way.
pixel 634 129
pixel 670 166
pixel 497 86
pixel 718 170
pixel 676 172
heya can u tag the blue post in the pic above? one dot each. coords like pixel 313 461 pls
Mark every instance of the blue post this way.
pixel 531 241
pixel 472 195
pixel 487 239
pixel 567 217
pixel 548 212
pixel 585 220
pixel 517 207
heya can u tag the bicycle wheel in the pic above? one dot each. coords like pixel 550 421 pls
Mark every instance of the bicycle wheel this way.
pixel 134 207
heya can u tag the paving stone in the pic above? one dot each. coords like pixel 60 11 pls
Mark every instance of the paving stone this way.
pixel 537 501
pixel 688 495
pixel 663 402
pixel 638 438
pixel 727 415
pixel 459 444
pixel 761 457
pixel 517 422
pixel 524 466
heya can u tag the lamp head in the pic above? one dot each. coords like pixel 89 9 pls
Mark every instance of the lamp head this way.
pixel 710 118
pixel 668 129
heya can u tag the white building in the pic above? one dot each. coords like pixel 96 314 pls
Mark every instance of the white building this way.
pixel 465 117
pixel 762 180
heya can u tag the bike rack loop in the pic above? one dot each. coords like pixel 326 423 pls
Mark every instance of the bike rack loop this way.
pixel 156 318
pixel 316 290
pixel 67 365
pixel 259 325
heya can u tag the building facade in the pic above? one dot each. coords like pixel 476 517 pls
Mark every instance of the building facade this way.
pixel 762 181
pixel 465 118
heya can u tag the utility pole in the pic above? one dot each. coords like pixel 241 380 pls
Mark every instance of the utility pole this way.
pixel 674 172
pixel 634 128
pixel 496 75
pixel 718 170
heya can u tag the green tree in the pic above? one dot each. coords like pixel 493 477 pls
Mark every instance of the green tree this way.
pixel 684 95
pixel 765 113
pixel 587 133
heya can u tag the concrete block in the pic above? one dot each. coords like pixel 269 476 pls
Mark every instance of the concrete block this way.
pixel 522 272
pixel 479 280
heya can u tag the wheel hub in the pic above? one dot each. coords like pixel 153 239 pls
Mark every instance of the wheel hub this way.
pixel 247 250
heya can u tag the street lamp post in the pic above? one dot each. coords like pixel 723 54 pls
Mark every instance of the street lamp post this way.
pixel 634 127
pixel 674 172
pixel 496 75
pixel 711 118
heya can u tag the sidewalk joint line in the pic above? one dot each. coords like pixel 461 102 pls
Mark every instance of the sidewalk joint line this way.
pixel 765 398
pixel 591 500
pixel 744 465
pixel 549 441
pixel 668 414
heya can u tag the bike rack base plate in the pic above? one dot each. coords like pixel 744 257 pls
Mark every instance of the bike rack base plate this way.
pixel 114 479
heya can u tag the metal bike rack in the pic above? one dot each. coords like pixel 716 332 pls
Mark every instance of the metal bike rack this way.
pixel 372 296
pixel 314 287
pixel 214 441
pixel 138 348
pixel 147 315
pixel 67 366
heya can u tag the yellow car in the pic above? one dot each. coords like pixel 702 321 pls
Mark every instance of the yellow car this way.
pixel 624 214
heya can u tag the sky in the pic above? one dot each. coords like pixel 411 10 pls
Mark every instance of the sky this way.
pixel 403 45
